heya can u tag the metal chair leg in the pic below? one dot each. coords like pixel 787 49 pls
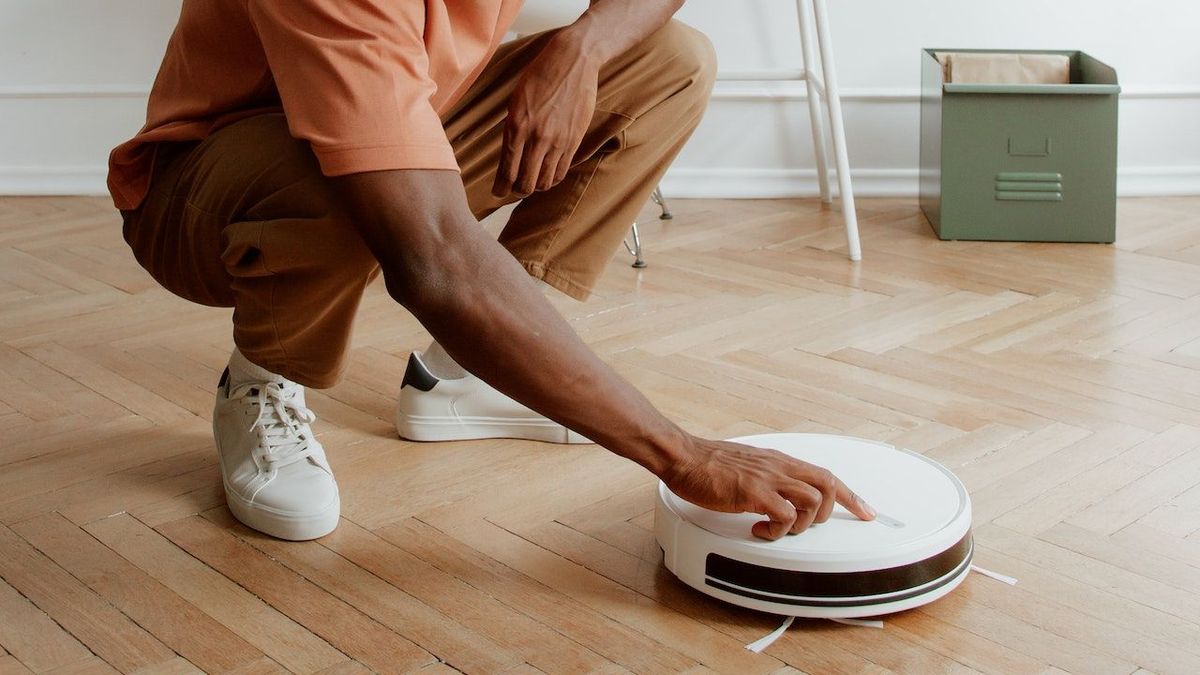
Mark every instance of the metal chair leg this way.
pixel 636 250
pixel 657 198
pixel 639 260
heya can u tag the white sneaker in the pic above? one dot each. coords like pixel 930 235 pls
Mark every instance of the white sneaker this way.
pixel 467 408
pixel 276 477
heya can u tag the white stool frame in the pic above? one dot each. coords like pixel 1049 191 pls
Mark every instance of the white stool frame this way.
pixel 822 86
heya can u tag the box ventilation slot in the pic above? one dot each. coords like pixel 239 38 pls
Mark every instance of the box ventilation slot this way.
pixel 1029 187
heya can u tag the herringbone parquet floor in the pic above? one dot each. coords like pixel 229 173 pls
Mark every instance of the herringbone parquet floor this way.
pixel 1059 381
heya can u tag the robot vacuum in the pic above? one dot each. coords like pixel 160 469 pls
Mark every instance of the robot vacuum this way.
pixel 916 550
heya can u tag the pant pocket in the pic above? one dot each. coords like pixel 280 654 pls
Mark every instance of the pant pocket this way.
pixel 241 250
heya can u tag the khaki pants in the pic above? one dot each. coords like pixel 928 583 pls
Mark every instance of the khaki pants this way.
pixel 245 219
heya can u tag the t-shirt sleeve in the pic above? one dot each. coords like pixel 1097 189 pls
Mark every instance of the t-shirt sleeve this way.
pixel 354 81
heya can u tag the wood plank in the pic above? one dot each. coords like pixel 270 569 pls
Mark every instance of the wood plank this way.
pixel 595 630
pixel 351 632
pixel 32 637
pixel 247 615
pixel 446 639
pixel 188 631
pixel 539 644
pixel 101 627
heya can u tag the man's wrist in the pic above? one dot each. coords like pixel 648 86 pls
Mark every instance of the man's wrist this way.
pixel 663 451
pixel 582 40
pixel 607 29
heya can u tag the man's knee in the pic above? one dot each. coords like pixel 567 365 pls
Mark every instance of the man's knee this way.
pixel 687 54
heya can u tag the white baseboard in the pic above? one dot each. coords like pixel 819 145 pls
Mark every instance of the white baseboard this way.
pixel 782 183
pixel 53 180
pixel 684 183
pixel 737 90
pixel 1158 181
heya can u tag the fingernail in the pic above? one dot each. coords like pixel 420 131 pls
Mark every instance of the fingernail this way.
pixel 869 508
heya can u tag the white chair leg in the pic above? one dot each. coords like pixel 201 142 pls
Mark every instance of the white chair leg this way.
pixel 636 250
pixel 814 100
pixel 834 100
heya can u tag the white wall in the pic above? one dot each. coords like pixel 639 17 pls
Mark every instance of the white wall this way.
pixel 74 75
pixel 754 144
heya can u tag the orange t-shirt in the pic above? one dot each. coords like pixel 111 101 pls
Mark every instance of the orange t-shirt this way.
pixel 363 81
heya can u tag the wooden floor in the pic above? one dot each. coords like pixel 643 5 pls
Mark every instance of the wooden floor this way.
pixel 1061 382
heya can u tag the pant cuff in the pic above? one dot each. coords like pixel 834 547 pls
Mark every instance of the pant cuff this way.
pixel 310 380
pixel 557 280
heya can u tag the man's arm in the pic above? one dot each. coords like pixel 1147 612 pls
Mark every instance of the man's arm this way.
pixel 480 304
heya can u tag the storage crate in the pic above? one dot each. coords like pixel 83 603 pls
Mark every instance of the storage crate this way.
pixel 1021 162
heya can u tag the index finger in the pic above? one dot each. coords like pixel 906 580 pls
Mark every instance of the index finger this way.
pixel 853 503
pixel 511 150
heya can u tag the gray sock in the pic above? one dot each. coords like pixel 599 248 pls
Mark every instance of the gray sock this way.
pixel 441 364
pixel 242 370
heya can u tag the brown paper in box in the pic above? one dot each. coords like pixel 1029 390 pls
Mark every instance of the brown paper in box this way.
pixel 982 68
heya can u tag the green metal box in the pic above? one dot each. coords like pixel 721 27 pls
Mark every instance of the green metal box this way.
pixel 1006 162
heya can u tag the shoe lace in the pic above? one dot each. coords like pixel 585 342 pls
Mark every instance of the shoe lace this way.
pixel 279 423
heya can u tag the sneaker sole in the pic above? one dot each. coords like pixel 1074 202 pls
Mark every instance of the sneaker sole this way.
pixel 428 428
pixel 280 526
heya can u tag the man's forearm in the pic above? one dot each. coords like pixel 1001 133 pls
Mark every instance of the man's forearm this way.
pixel 480 304
pixel 484 310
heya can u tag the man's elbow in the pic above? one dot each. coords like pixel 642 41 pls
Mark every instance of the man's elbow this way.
pixel 429 276
pixel 414 281
pixel 419 226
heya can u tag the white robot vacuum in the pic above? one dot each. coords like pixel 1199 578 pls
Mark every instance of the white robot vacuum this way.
pixel 916 550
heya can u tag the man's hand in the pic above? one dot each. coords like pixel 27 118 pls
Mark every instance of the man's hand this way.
pixel 548 114
pixel 553 103
pixel 733 478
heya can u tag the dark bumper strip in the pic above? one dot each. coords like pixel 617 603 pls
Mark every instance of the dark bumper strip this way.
pixel 742 578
